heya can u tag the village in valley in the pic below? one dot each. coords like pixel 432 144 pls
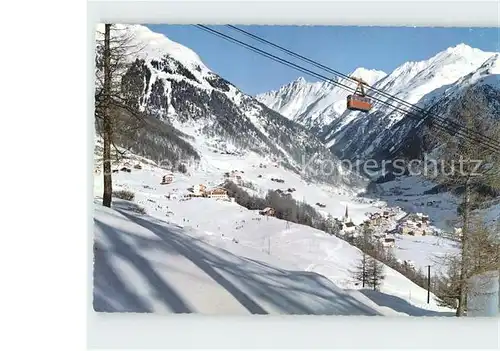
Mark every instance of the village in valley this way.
pixel 387 224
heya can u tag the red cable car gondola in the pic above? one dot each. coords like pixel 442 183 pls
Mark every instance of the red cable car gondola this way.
pixel 359 101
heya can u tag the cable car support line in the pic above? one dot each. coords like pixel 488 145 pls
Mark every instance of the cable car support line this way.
pixel 438 123
pixel 427 113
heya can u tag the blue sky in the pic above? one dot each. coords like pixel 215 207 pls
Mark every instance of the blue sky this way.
pixel 341 48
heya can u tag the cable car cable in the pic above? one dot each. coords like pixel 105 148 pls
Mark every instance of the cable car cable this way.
pixel 326 79
pixel 381 92
pixel 424 119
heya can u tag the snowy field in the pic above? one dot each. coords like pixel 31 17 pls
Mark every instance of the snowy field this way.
pixel 143 264
pixel 424 251
pixel 211 173
pixel 246 235
pixel 213 165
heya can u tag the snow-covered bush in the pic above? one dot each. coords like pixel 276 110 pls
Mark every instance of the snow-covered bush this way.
pixel 124 195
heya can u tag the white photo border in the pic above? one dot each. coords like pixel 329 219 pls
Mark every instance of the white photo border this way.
pixel 128 330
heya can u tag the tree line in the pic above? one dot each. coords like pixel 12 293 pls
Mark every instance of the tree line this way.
pixel 286 208
pixel 369 271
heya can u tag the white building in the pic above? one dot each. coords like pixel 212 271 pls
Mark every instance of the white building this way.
pixel 167 178
pixel 199 190
pixel 388 242
pixel 268 211
pixel 218 194
pixel 348 228
pixel 410 227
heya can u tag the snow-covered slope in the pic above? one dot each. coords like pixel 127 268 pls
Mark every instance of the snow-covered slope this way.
pixel 413 80
pixel 170 83
pixel 145 264
pixel 257 174
pixel 317 104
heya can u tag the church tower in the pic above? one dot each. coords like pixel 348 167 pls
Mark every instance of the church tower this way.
pixel 346 216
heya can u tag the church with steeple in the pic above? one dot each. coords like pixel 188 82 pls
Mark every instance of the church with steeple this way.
pixel 346 218
pixel 348 227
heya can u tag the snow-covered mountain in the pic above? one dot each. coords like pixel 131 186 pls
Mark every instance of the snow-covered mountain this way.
pixel 430 83
pixel 483 82
pixel 358 135
pixel 315 104
pixel 171 84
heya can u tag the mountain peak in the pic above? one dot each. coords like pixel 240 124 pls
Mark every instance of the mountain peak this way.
pixel 461 48
pixel 371 76
pixel 300 80
pixel 153 45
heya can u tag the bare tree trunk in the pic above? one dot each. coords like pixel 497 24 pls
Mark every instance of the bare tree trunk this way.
pixel 107 127
pixel 375 273
pixel 365 247
pixel 464 254
pixel 364 269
